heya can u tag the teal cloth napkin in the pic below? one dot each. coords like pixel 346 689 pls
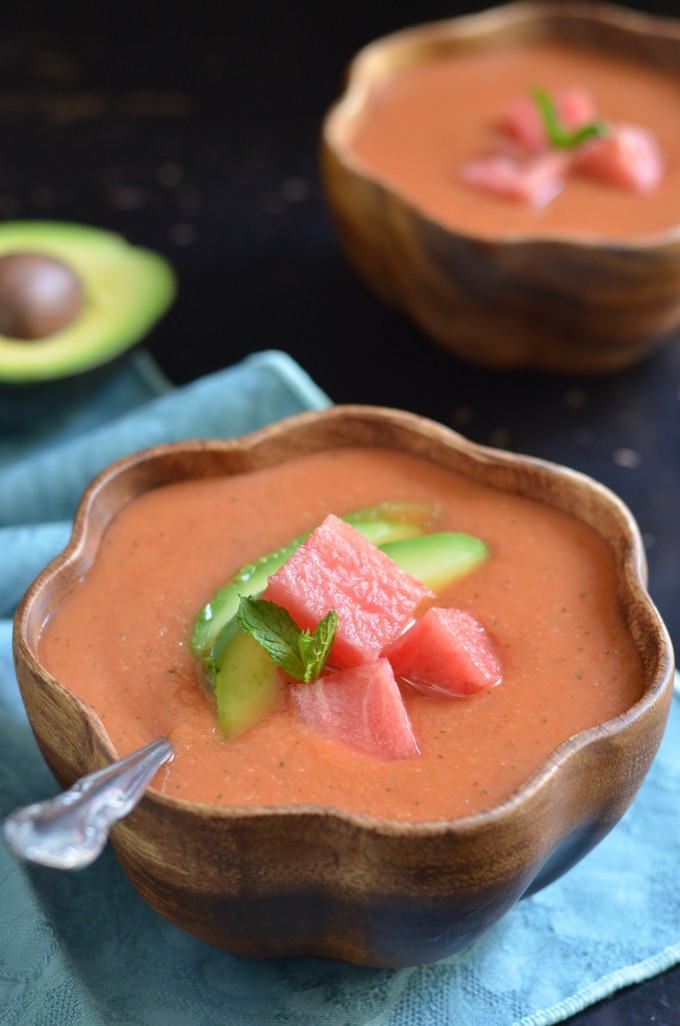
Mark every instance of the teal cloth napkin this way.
pixel 82 949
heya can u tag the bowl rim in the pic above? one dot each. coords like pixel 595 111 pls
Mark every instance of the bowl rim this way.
pixel 357 88
pixel 658 688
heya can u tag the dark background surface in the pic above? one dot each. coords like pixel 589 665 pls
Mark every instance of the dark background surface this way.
pixel 195 132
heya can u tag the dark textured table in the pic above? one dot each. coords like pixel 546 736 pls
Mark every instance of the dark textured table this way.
pixel 198 136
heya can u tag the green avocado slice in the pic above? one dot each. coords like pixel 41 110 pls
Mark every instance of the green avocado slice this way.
pixel 248 684
pixel 126 290
pixel 437 559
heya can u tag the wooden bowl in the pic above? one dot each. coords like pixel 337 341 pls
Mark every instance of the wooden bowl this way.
pixel 567 301
pixel 306 880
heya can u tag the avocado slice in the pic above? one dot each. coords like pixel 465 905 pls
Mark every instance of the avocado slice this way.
pixel 123 290
pixel 248 684
pixel 437 559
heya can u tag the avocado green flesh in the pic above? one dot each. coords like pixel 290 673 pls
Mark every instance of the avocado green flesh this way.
pixel 437 559
pixel 247 685
pixel 127 289
pixel 379 523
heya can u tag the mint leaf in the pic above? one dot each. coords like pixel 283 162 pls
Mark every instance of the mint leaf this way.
pixel 314 648
pixel 558 136
pixel 274 628
pixel 300 654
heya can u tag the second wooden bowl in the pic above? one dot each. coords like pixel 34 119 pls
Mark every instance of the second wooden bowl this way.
pixel 563 302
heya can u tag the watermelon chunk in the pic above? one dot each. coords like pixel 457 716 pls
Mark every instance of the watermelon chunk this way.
pixel 362 707
pixel 524 122
pixel 628 156
pixel 534 178
pixel 337 568
pixel 446 650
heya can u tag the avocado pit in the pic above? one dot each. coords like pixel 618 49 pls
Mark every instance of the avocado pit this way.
pixel 39 295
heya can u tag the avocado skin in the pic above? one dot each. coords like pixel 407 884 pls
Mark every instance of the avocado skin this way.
pixel 126 291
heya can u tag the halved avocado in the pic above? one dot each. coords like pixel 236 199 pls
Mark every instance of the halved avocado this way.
pixel 119 291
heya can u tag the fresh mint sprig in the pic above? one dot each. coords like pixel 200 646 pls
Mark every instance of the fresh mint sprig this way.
pixel 301 654
pixel 559 136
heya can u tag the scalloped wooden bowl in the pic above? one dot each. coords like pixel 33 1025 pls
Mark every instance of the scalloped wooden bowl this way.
pixel 305 880
pixel 561 303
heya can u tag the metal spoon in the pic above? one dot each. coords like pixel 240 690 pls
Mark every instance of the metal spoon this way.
pixel 71 830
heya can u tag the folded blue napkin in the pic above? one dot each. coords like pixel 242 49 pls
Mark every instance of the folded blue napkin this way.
pixel 82 949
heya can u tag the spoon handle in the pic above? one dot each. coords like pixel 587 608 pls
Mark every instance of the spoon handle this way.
pixel 70 830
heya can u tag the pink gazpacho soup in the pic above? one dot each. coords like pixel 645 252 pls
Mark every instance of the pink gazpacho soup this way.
pixel 546 595
pixel 464 138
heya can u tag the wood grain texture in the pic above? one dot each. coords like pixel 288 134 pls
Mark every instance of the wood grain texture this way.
pixel 288 881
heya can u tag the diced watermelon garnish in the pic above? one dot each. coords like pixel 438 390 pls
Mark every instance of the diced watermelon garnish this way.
pixel 535 178
pixel 362 707
pixel 446 650
pixel 575 108
pixel 337 568
pixel 533 161
pixel 524 122
pixel 628 156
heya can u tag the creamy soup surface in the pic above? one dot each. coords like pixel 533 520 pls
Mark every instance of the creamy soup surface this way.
pixel 546 595
pixel 429 119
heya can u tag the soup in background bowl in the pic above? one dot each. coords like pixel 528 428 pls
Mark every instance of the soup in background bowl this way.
pixel 282 841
